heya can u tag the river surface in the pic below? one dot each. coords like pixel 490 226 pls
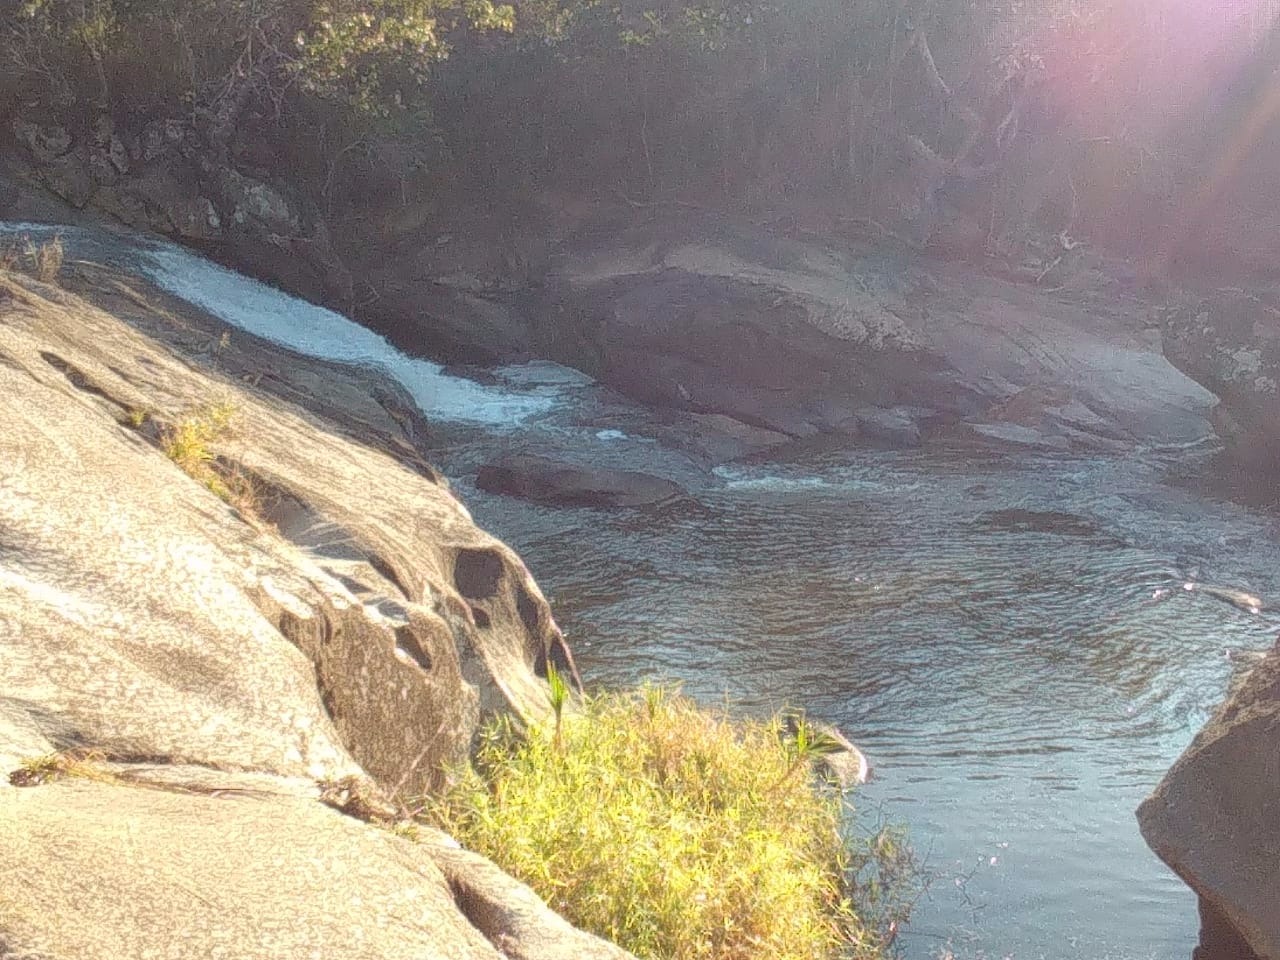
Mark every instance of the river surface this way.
pixel 1018 691
pixel 1010 636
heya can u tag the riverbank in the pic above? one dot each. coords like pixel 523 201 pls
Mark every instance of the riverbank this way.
pixel 747 533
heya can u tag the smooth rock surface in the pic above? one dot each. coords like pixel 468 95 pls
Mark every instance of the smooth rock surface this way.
pixel 801 336
pixel 220 667
pixel 373 571
pixel 99 871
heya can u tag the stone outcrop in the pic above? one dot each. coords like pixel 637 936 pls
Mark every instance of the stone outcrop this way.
pixel 774 328
pixel 810 335
pixel 1230 342
pixel 314 606
pixel 170 177
pixel 1215 819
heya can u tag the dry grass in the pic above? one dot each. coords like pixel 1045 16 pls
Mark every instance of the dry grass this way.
pixel 85 764
pixel 189 444
pixel 42 259
pixel 673 831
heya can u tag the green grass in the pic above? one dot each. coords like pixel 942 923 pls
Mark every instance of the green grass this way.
pixel 85 764
pixel 677 832
pixel 189 444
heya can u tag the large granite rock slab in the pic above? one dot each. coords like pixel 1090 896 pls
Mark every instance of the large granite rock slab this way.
pixel 209 667
pixel 806 334
pixel 99 871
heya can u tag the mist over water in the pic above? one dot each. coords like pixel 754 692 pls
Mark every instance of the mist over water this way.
pixel 1008 636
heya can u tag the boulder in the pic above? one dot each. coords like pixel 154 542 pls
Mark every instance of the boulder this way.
pixel 1229 342
pixel 552 482
pixel 44 143
pixel 1215 819
pixel 896 427
pixel 362 618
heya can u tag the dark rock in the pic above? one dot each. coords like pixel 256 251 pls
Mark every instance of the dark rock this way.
pixel 721 439
pixel 896 427
pixel 1218 939
pixel 70 178
pixel 1230 343
pixel 1215 818
pixel 542 480
pixel 43 143
pixel 256 205
pixel 413 312
pixel 1040 521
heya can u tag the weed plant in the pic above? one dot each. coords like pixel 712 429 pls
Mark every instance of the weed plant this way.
pixel 189 444
pixel 674 831
pixel 42 259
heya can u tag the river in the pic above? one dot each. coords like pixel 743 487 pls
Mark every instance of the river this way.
pixel 1015 639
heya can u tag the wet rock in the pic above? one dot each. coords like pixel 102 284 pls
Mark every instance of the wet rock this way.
pixel 543 480
pixel 896 427
pixel 460 327
pixel 1040 521
pixel 847 767
pixel 721 439
pixel 1215 818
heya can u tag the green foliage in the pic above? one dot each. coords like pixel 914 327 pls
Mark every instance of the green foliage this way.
pixel 209 54
pixel 673 831
pixel 189 444
pixel 558 691
pixel 355 50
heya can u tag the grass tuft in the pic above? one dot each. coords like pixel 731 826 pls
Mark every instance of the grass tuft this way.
pixel 42 259
pixel 189 444
pixel 46 259
pixel 674 831
pixel 85 764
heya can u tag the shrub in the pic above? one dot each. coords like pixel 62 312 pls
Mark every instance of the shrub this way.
pixel 673 831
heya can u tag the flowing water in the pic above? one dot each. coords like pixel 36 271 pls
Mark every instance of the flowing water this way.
pixel 1019 681
pixel 1010 637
